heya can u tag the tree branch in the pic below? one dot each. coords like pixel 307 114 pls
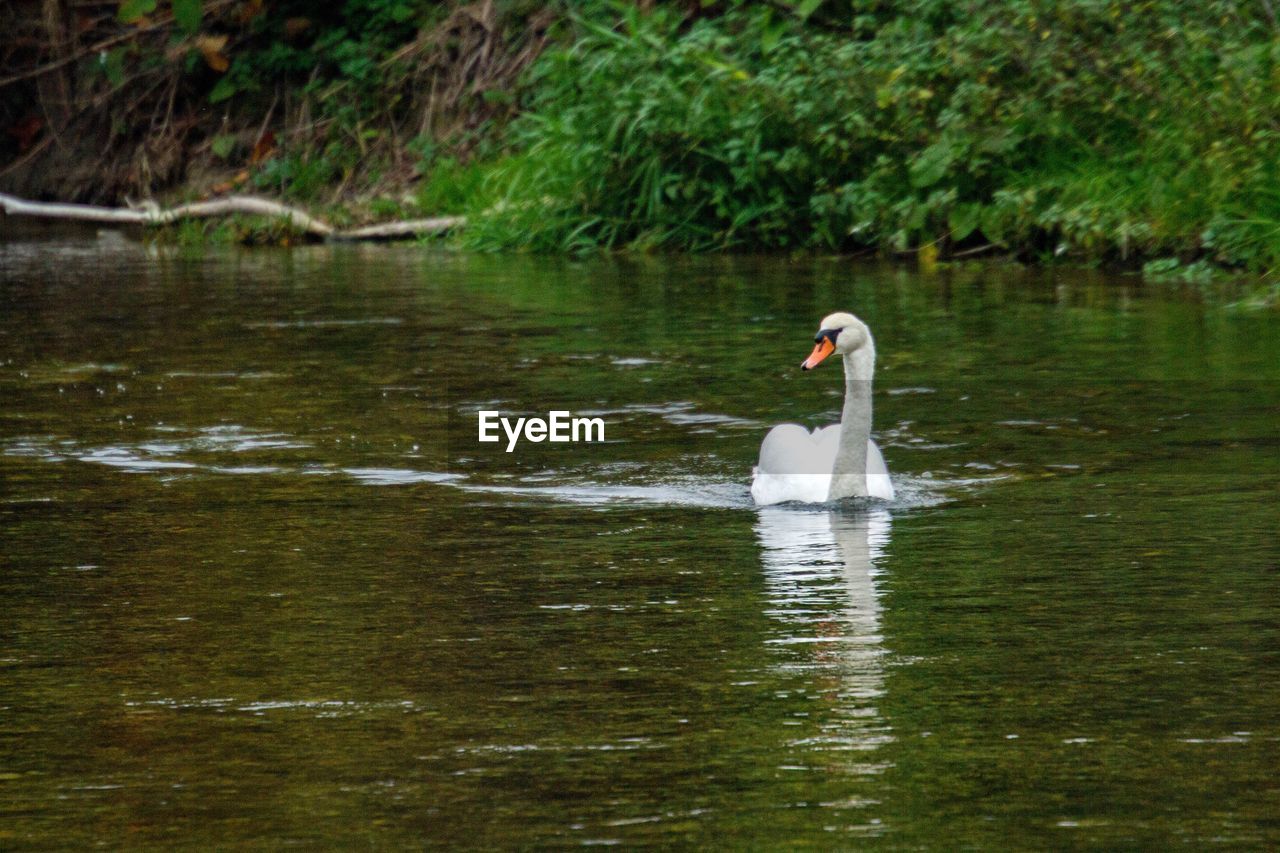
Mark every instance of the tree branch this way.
pixel 152 214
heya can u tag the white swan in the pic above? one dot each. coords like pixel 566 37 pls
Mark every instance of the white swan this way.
pixel 833 462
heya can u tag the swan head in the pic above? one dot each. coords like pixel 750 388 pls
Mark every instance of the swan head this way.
pixel 840 332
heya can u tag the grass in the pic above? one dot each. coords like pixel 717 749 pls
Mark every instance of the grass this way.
pixel 1089 129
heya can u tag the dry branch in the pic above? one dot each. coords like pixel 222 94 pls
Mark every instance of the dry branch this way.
pixel 404 228
pixel 152 214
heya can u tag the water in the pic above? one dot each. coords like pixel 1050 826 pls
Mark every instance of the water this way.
pixel 261 586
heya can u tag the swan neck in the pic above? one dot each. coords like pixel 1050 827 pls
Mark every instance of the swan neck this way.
pixel 850 475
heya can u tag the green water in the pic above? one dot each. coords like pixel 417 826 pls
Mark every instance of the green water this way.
pixel 262 586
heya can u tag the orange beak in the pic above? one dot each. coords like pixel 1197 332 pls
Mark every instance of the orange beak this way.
pixel 823 349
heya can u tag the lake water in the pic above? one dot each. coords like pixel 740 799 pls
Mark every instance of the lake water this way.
pixel 260 584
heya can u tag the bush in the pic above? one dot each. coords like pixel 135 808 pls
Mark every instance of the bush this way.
pixel 1099 129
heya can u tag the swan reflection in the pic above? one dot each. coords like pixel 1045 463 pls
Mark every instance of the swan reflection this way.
pixel 820 572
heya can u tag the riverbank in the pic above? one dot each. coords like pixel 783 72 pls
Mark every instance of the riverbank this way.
pixel 1084 131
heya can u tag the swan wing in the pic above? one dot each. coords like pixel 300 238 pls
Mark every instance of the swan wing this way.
pixel 795 465
pixel 878 483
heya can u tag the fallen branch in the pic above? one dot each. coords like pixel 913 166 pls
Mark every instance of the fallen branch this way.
pixel 152 214
pixel 404 228
pixel 976 250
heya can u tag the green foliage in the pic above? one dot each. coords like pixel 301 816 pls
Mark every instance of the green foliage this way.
pixel 306 175
pixel 222 146
pixel 188 14
pixel 387 208
pixel 112 65
pixel 1173 270
pixel 1091 128
pixel 449 185
pixel 649 137
pixel 342 62
pixel 342 48
pixel 132 10
pixel 235 230
pixel 1087 129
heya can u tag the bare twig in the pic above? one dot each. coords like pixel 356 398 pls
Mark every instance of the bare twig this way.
pixel 159 23
pixel 266 120
pixel 976 250
pixel 81 54
pixel 29 156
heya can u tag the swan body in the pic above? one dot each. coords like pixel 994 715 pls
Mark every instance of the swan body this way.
pixel 832 462
pixel 790 450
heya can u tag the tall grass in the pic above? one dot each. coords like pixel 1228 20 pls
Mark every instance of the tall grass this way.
pixel 1098 129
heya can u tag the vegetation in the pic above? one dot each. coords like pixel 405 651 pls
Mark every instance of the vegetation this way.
pixel 1101 129
pixel 336 104
pixel 1092 129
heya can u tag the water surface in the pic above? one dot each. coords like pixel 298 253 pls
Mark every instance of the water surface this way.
pixel 261 586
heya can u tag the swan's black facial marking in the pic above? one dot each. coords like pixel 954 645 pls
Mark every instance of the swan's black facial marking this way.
pixel 829 334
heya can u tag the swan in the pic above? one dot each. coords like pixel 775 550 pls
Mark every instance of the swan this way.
pixel 833 462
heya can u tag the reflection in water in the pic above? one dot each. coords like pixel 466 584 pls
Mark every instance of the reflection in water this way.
pixel 820 570
pixel 260 588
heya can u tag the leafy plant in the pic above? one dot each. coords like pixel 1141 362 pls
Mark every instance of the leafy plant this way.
pixel 1089 128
